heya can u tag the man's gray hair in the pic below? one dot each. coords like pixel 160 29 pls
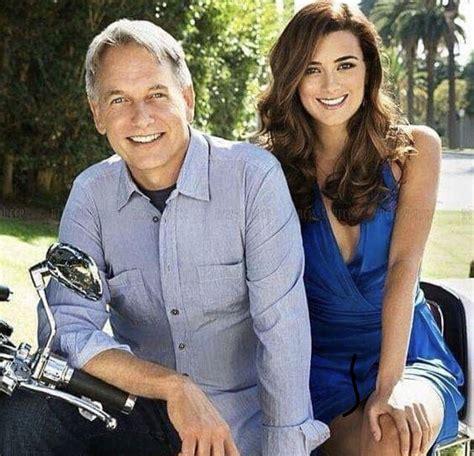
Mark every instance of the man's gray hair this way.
pixel 158 42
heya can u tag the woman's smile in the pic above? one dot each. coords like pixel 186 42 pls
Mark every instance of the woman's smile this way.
pixel 332 103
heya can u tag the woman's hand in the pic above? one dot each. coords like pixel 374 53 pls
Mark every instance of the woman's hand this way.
pixel 408 414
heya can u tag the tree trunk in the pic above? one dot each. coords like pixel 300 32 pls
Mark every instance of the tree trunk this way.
pixel 8 168
pixel 450 13
pixel 411 53
pixel 431 49
pixel 44 180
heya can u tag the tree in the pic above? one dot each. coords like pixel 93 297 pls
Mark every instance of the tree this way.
pixel 441 97
pixel 434 28
pixel 451 12
pixel 400 22
pixel 407 22
pixel 46 131
pixel 468 76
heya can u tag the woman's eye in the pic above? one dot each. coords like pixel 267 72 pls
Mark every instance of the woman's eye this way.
pixel 312 70
pixel 346 66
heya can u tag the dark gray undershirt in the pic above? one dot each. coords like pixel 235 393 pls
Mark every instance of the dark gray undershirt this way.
pixel 158 197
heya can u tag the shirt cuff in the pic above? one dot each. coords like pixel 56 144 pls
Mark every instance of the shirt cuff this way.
pixel 298 440
pixel 80 347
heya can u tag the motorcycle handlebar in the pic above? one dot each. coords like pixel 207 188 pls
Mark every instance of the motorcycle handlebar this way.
pixel 111 397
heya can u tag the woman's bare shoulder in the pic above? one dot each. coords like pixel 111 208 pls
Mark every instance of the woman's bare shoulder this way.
pixel 425 139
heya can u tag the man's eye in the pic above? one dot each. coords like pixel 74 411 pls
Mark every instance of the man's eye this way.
pixel 312 70
pixel 158 95
pixel 117 100
pixel 346 66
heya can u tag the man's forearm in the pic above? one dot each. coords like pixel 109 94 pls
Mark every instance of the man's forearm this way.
pixel 134 375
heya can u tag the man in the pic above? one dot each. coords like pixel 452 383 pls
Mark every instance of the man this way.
pixel 200 253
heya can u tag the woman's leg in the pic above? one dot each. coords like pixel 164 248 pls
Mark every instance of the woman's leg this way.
pixel 345 435
pixel 423 393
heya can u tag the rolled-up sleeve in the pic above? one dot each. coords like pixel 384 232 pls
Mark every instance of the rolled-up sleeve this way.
pixel 275 266
pixel 79 321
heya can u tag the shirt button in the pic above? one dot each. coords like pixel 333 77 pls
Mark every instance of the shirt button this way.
pixel 174 312
pixel 156 219
pixel 182 346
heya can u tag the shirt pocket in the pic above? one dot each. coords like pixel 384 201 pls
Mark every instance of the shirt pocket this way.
pixel 128 296
pixel 223 287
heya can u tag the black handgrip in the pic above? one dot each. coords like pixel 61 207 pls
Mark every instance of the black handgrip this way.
pixel 83 384
pixel 4 293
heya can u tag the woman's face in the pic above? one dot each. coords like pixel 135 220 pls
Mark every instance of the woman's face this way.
pixel 332 88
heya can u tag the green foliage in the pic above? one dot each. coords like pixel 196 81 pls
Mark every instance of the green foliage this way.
pixel 468 75
pixel 441 97
pixel 225 44
pixel 45 120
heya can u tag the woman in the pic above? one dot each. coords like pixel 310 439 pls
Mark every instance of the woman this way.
pixel 365 190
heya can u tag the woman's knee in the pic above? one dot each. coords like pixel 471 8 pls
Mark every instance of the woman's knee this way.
pixel 388 445
pixel 390 434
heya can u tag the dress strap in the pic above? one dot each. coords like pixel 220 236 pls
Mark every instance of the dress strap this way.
pixel 388 176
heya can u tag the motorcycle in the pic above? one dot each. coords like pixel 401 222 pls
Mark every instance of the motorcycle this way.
pixel 46 373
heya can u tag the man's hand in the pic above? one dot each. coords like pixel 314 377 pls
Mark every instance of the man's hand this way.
pixel 202 430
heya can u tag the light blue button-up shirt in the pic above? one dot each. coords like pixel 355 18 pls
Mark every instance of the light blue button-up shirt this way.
pixel 213 287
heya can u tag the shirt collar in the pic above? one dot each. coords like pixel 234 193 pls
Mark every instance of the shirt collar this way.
pixel 193 178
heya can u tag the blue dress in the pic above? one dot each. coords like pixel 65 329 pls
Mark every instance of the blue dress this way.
pixel 345 307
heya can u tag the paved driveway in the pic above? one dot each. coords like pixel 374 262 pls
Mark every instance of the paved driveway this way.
pixel 456 191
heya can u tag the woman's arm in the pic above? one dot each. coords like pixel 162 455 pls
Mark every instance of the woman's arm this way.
pixel 416 205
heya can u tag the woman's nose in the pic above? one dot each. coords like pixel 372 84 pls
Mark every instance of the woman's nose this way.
pixel 330 82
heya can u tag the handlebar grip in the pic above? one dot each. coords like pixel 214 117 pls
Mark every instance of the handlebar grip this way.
pixel 4 293
pixel 83 384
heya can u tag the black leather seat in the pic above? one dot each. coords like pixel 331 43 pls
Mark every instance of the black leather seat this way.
pixel 449 313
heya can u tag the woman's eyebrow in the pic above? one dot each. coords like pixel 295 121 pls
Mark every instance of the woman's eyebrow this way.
pixel 340 59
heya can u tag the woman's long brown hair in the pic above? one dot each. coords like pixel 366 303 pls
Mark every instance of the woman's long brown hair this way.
pixel 356 186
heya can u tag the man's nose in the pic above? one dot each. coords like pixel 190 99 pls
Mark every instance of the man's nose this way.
pixel 142 116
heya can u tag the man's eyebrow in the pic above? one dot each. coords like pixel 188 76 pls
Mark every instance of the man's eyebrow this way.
pixel 340 59
pixel 113 92
pixel 158 87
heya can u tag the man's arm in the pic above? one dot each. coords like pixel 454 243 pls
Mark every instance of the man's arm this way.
pixel 275 264
pixel 81 338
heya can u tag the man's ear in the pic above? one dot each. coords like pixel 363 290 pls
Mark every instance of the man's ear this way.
pixel 99 125
pixel 189 97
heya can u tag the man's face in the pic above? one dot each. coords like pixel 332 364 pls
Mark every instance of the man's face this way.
pixel 144 112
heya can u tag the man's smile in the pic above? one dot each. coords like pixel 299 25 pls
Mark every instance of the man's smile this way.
pixel 145 139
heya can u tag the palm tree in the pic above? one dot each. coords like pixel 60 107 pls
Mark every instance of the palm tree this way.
pixel 451 13
pixel 401 22
pixel 434 28
pixel 409 21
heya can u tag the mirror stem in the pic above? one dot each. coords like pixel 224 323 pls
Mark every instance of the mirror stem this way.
pixel 38 274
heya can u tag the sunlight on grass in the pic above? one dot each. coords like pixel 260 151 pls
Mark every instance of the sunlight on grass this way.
pixel 22 244
pixel 450 247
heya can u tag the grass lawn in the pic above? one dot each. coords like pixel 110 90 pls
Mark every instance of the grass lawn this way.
pixel 23 243
pixel 450 248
